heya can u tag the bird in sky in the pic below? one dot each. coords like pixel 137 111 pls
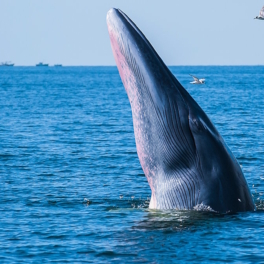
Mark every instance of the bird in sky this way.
pixel 261 14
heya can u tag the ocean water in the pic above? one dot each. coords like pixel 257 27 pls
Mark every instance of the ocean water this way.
pixel 71 186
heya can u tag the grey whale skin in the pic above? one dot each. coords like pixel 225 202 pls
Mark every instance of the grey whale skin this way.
pixel 185 160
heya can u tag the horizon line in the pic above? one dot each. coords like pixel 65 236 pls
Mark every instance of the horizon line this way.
pixel 187 65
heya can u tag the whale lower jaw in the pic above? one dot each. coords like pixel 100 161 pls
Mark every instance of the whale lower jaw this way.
pixel 198 207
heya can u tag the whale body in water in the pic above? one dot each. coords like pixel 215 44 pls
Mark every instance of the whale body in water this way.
pixel 185 159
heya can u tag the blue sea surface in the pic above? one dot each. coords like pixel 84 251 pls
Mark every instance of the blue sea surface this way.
pixel 71 186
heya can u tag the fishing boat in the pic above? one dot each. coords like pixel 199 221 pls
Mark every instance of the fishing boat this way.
pixel 41 64
pixel 7 64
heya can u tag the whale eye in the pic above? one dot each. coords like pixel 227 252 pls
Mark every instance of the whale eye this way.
pixel 196 122
pixel 196 125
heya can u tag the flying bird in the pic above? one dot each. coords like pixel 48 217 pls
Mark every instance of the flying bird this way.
pixel 197 81
pixel 261 14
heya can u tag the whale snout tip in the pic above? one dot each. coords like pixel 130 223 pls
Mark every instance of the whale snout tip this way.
pixel 111 14
pixel 111 11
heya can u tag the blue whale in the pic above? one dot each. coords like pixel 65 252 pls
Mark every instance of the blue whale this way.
pixel 186 161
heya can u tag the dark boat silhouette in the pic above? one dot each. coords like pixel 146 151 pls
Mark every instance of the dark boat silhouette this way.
pixel 7 64
pixel 41 64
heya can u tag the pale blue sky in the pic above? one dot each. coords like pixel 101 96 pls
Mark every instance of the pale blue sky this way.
pixel 186 32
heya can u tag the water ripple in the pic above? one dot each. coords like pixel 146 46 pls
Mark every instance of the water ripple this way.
pixel 71 182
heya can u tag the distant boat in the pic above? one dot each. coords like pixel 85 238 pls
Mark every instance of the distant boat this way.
pixel 41 64
pixel 57 65
pixel 197 81
pixel 261 14
pixel 7 64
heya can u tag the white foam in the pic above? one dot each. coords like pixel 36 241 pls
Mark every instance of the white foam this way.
pixel 203 207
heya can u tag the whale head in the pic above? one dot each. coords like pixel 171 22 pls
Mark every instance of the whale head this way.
pixel 184 158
